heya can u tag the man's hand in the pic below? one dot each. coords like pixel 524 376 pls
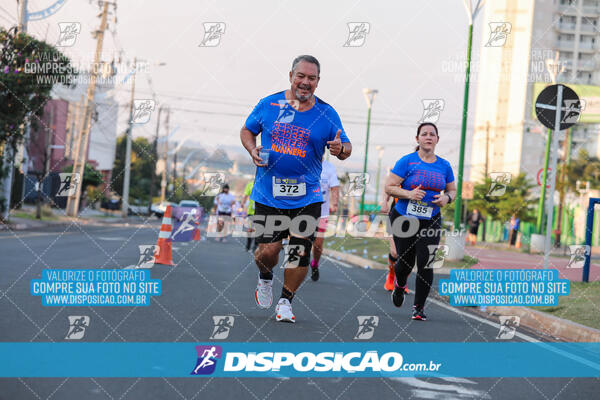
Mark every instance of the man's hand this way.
pixel 255 153
pixel 333 207
pixel 440 200
pixel 416 194
pixel 335 145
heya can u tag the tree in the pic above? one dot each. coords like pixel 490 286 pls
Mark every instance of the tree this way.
pixel 583 168
pixel 142 168
pixel 29 69
pixel 516 200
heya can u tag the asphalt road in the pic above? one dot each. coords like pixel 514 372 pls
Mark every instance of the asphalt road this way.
pixel 215 279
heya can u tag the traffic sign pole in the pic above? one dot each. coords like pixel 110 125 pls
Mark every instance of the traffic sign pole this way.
pixel 549 110
pixel 553 157
pixel 540 215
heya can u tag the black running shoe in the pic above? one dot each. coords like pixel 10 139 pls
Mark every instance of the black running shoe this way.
pixel 418 314
pixel 314 274
pixel 398 296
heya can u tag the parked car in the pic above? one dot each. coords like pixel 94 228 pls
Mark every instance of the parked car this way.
pixel 158 209
pixel 137 207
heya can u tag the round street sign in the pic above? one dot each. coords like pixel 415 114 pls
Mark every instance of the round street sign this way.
pixel 545 107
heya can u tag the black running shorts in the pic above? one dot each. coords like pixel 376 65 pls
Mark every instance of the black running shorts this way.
pixel 271 230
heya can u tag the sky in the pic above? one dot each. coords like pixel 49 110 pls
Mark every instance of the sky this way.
pixel 412 51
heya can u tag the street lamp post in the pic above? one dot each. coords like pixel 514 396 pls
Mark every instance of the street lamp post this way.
pixel 471 13
pixel 369 97
pixel 379 157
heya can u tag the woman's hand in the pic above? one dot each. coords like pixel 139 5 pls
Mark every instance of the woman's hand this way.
pixel 416 193
pixel 440 200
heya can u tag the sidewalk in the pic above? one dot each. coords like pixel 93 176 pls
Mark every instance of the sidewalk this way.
pixel 498 257
pixel 86 217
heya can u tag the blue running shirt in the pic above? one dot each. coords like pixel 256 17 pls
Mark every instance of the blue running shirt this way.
pixel 433 178
pixel 297 141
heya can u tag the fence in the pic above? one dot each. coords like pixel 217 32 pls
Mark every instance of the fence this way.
pixel 497 231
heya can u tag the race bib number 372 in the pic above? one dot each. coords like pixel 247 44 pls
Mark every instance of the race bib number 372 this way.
pixel 289 187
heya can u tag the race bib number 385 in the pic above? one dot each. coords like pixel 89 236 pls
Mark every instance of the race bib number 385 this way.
pixel 289 187
pixel 419 209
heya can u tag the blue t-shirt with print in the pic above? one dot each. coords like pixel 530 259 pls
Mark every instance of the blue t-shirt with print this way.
pixel 296 141
pixel 433 178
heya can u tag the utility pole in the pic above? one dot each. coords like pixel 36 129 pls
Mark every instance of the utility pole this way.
pixel 163 182
pixel 155 155
pixel 83 140
pixel 22 27
pixel 129 133
pixel 7 160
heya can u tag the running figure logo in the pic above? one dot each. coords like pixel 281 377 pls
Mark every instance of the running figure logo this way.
pixel 437 254
pixel 508 326
pixel 500 181
pixel 287 111
pixel 77 326
pixel 572 112
pixel 366 326
pixel 213 181
pixel 578 253
pixel 148 254
pixel 293 254
pixel 499 32
pixel 142 110
pixel 432 109
pixel 357 33
pixel 223 324
pixel 68 33
pixel 356 184
pixel 207 359
pixel 212 34
pixel 68 184
pixel 186 225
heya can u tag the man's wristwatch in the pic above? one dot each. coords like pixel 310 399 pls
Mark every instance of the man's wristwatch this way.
pixel 449 198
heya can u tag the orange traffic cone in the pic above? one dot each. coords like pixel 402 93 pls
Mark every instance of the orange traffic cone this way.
pixel 164 243
pixel 197 232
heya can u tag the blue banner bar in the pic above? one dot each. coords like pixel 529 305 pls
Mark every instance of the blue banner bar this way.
pixel 300 359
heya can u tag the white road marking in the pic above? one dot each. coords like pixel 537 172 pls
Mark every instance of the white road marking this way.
pixel 455 310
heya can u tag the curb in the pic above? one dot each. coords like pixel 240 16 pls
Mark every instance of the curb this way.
pixel 538 321
pixel 549 324
pixel 368 264
pixel 21 226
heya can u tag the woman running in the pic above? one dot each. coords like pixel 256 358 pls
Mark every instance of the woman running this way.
pixel 417 180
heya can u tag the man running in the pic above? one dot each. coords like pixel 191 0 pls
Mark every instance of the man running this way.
pixel 330 191
pixel 295 128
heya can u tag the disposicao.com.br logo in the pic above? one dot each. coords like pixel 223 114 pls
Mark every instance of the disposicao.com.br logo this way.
pixel 314 363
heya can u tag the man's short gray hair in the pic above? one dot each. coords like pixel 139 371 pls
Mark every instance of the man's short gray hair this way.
pixel 306 58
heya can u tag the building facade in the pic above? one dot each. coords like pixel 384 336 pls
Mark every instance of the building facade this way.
pixel 507 136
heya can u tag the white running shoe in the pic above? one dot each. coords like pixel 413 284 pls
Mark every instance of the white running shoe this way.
pixel 283 311
pixel 264 293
